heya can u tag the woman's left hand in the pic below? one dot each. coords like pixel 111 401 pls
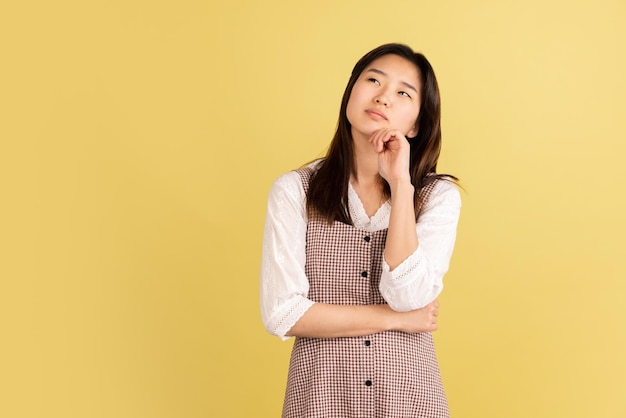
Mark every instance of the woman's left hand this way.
pixel 394 152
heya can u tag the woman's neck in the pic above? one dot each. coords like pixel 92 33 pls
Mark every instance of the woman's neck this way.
pixel 365 180
pixel 365 164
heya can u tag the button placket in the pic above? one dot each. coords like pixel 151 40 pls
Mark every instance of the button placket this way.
pixel 367 342
pixel 364 274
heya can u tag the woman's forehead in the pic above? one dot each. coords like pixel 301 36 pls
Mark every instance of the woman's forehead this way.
pixel 395 66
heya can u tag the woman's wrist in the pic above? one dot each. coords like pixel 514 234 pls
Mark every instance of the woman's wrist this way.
pixel 401 186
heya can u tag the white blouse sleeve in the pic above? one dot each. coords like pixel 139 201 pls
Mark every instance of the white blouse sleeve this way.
pixel 418 280
pixel 284 285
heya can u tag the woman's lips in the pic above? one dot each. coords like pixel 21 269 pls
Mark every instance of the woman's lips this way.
pixel 376 114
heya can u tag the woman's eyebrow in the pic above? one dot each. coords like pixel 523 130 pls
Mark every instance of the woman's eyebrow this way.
pixel 377 71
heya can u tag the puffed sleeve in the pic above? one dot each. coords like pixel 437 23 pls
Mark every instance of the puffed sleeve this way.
pixel 284 285
pixel 418 280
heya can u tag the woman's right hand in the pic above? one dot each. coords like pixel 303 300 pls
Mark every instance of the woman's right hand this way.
pixel 419 320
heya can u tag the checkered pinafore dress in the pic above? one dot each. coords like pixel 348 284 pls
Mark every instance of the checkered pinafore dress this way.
pixel 388 374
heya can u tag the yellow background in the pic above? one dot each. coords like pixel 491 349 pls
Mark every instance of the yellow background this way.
pixel 139 140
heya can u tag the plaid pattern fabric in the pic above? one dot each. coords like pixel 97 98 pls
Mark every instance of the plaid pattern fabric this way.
pixel 388 374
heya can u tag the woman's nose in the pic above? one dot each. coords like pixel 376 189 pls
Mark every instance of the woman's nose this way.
pixel 382 99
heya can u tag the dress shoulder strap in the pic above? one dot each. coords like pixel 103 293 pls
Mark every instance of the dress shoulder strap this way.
pixel 305 174
pixel 424 195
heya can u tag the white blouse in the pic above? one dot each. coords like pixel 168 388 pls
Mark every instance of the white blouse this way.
pixel 413 284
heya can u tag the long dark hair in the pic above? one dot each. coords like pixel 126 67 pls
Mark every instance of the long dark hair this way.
pixel 328 188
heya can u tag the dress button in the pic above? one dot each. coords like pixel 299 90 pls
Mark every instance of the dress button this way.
pixel 367 238
pixel 363 274
pixel 368 383
pixel 367 343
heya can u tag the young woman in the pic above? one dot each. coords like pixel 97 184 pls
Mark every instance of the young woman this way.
pixel 355 248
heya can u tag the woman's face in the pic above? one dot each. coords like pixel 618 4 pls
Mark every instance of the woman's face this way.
pixel 387 94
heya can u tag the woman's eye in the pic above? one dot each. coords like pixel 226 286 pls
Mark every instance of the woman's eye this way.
pixel 373 80
pixel 404 93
